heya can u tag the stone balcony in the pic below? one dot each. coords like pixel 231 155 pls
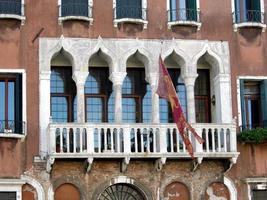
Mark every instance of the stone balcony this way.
pixel 146 141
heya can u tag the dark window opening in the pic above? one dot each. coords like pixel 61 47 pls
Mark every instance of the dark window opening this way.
pixel 8 195
pixel 259 194
pixel 11 104
pixel 129 9
pixel 202 96
pixel 10 7
pixel 165 107
pixel 74 8
pixel 63 95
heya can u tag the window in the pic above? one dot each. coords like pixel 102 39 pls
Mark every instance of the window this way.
pixel 135 97
pixel 63 92
pixel 76 9
pixel 253 103
pixel 11 103
pixel 202 96
pixel 182 10
pixel 248 11
pixel 98 90
pixel 10 7
pixel 259 194
pixel 8 195
pixel 129 9
pixel 165 108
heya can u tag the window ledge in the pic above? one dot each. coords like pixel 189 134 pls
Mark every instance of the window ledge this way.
pixel 184 23
pixel 131 20
pixel 250 24
pixel 13 16
pixel 82 18
pixel 12 135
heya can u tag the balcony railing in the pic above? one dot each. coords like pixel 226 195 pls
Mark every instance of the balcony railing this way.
pixel 72 140
pixel 76 9
pixel 131 12
pixel 245 16
pixel 183 15
pixel 12 127
pixel 11 7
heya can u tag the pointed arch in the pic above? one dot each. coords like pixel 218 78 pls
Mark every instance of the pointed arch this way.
pixel 211 57
pixel 105 53
pixel 180 57
pixel 143 55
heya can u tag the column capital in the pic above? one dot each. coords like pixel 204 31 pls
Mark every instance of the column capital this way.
pixel 44 75
pixel 117 77
pixel 80 77
pixel 152 78
pixel 189 79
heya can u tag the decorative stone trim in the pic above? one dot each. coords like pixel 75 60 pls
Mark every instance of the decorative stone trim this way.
pixel 259 183
pixel 130 20
pixel 185 23
pixel 11 16
pixel 38 187
pixel 249 24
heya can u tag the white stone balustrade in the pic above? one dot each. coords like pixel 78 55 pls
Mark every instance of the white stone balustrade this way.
pixel 72 140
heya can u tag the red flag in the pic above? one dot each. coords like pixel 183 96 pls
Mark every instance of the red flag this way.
pixel 167 91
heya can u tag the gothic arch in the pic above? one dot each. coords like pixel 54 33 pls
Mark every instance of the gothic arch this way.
pixel 143 55
pixel 212 58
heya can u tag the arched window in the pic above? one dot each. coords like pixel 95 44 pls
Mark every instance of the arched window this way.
pixel 165 108
pixel 97 90
pixel 134 89
pixel 202 96
pixel 63 92
pixel 121 191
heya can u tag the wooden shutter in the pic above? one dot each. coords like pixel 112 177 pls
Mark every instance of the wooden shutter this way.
pixel 263 91
pixel 191 7
pixel 18 104
pixel 237 11
pixel 242 101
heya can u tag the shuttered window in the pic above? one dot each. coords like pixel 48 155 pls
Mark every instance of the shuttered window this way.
pixel 10 7
pixel 248 11
pixel 259 194
pixel 253 96
pixel 74 8
pixel 183 10
pixel 129 9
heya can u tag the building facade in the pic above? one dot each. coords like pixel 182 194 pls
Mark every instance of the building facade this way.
pixel 80 117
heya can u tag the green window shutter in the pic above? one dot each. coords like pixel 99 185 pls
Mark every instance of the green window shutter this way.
pixel 264 102
pixel 18 104
pixel 256 5
pixel 191 7
pixel 243 108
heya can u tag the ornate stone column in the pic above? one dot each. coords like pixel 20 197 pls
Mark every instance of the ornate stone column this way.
pixel 80 78
pixel 153 81
pixel 117 80
pixel 189 80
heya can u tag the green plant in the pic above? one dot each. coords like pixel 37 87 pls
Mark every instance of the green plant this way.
pixel 257 135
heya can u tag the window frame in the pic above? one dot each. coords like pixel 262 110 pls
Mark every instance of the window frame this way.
pixel 238 92
pixel 237 25
pixel 197 23
pixel 143 21
pixel 12 185
pixel 88 18
pixel 22 72
pixel 70 96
